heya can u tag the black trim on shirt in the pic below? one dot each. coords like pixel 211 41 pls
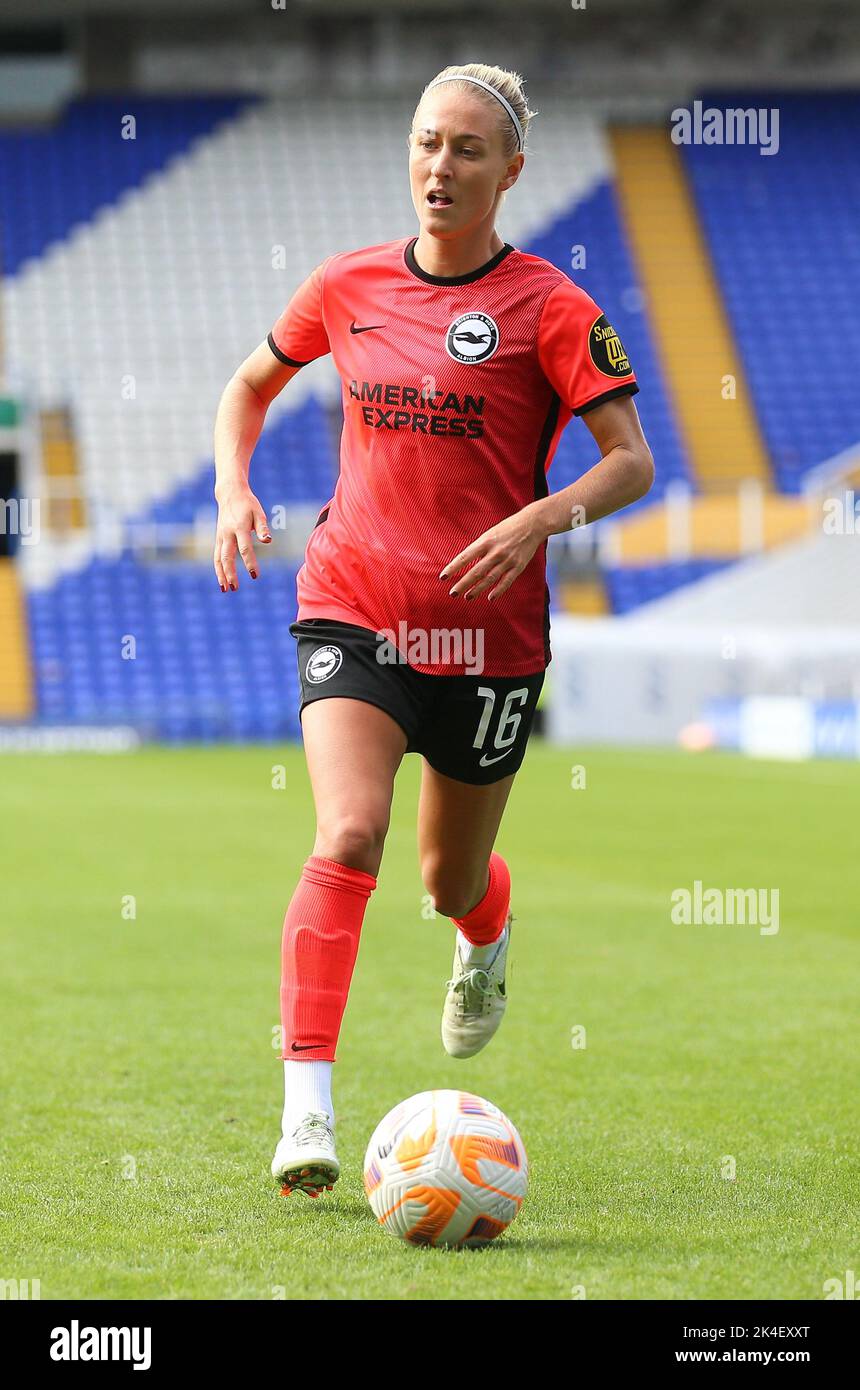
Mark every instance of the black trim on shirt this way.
pixel 321 518
pixel 412 264
pixel 541 489
pixel 629 390
pixel 282 357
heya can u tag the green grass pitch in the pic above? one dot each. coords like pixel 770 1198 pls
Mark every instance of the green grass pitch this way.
pixel 142 1092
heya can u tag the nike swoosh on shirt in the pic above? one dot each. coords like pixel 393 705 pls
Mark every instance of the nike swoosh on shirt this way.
pixel 485 761
pixel 365 327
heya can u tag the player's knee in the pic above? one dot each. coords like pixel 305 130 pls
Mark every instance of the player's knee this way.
pixel 452 897
pixel 353 840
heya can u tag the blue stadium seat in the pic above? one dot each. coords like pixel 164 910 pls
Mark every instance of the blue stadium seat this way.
pixel 631 586
pixel 610 278
pixel 59 177
pixel 784 235
pixel 203 669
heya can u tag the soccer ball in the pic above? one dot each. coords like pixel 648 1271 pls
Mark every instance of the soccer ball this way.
pixel 445 1168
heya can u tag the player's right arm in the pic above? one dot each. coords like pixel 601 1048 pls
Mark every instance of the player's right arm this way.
pixel 241 413
pixel 298 337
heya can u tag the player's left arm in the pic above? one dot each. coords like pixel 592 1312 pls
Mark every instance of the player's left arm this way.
pixel 583 358
pixel 624 473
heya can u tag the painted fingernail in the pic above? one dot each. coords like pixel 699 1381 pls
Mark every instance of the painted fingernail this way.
pixel 223 588
pixel 253 574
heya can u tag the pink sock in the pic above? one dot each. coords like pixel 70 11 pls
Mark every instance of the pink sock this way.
pixel 486 921
pixel 318 951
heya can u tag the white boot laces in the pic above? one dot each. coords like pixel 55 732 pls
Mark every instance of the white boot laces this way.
pixel 313 1128
pixel 474 986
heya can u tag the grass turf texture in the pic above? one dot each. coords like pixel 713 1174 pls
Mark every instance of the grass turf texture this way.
pixel 142 1093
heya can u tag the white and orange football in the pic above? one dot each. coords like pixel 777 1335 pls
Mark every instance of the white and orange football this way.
pixel 445 1168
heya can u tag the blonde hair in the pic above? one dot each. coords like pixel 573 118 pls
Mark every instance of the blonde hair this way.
pixel 510 84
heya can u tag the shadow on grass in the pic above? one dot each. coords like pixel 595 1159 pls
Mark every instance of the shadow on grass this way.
pixel 356 1210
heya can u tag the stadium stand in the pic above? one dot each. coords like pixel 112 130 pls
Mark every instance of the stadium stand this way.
pixel 157 646
pixel 59 178
pixel 631 586
pixel 812 582
pixel 130 296
pixel 784 237
pixel 129 315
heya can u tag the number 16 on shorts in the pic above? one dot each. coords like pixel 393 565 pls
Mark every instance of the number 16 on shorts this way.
pixel 507 726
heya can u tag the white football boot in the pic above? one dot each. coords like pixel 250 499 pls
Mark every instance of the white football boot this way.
pixel 476 999
pixel 305 1161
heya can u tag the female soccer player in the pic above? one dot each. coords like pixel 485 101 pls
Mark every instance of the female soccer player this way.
pixel 423 610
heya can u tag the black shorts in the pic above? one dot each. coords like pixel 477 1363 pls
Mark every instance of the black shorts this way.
pixel 472 728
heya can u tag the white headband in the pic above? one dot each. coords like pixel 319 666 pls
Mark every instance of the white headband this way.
pixel 479 82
